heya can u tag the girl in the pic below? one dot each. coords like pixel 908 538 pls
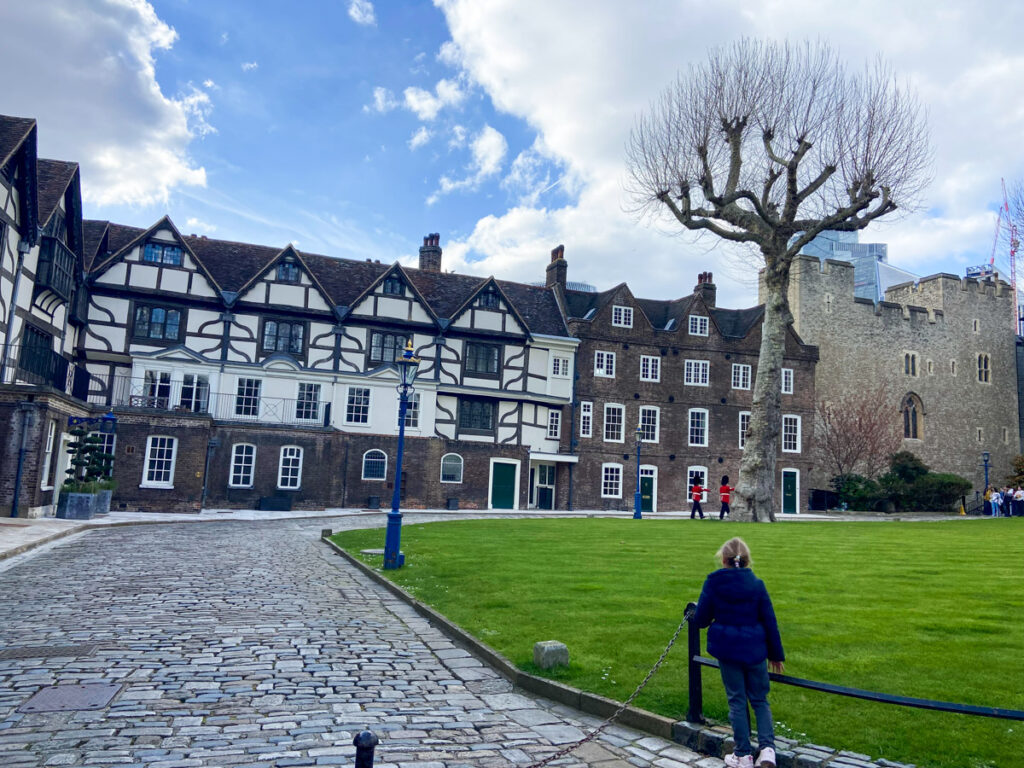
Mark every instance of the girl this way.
pixel 744 637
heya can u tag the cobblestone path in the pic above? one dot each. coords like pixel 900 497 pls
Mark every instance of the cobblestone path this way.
pixel 253 645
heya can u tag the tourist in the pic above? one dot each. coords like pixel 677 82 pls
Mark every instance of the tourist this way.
pixel 724 492
pixel 987 510
pixel 997 500
pixel 696 493
pixel 1018 502
pixel 744 637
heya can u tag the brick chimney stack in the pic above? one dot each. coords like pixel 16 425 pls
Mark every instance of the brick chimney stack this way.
pixel 430 253
pixel 706 288
pixel 558 269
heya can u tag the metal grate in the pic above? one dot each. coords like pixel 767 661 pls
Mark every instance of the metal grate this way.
pixel 46 651
pixel 71 698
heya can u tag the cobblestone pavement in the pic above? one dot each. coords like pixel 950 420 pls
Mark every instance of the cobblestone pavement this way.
pixel 254 645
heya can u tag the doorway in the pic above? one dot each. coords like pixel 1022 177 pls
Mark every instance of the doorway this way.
pixel 648 489
pixel 545 489
pixel 504 484
pixel 790 491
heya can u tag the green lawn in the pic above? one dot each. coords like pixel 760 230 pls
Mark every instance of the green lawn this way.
pixel 933 610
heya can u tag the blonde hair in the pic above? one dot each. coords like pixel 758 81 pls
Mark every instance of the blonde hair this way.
pixel 735 552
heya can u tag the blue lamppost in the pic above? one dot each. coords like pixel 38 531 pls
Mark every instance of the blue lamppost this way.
pixel 408 365
pixel 985 456
pixel 637 499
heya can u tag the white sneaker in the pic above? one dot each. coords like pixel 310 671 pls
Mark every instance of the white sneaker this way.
pixel 734 761
pixel 766 759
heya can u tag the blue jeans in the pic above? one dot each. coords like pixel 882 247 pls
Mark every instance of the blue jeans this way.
pixel 742 684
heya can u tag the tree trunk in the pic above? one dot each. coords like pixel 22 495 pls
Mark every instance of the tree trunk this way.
pixel 756 485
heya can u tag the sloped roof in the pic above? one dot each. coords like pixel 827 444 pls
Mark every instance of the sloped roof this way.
pixel 661 312
pixel 737 323
pixel 52 178
pixel 92 238
pixel 13 131
pixel 579 303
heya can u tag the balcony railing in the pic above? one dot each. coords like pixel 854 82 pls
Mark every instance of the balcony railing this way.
pixel 56 269
pixel 193 395
pixel 42 367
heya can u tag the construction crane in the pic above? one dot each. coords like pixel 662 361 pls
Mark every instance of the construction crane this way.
pixel 1006 233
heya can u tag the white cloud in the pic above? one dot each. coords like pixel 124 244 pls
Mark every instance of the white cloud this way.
pixel 489 148
pixel 197 106
pixel 383 101
pixel 361 12
pixel 249 66
pixel 427 105
pixel 224 37
pixel 421 137
pixel 195 225
pixel 458 138
pixel 210 85
pixel 98 66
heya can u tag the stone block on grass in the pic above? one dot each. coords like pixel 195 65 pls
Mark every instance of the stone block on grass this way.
pixel 550 653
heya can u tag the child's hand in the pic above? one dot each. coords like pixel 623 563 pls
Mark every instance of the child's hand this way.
pixel 777 667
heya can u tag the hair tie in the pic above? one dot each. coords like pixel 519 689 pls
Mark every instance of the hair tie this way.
pixel 737 560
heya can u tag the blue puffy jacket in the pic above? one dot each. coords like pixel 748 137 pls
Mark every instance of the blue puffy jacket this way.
pixel 735 603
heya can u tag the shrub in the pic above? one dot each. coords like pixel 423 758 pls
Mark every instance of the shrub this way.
pixel 857 491
pixel 938 491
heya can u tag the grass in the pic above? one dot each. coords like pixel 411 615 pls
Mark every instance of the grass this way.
pixel 931 610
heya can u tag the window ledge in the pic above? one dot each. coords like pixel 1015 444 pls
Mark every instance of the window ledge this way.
pixel 160 486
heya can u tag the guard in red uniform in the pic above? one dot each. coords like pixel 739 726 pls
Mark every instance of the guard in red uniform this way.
pixel 696 492
pixel 724 494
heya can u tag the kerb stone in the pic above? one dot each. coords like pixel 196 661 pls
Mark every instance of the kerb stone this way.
pixel 550 653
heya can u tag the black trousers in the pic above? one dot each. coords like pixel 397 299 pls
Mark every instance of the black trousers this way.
pixel 696 510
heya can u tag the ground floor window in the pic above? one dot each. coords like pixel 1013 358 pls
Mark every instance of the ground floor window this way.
pixel 697 476
pixel 243 465
pixel 451 468
pixel 161 453
pixel 375 465
pixel 289 472
pixel 611 481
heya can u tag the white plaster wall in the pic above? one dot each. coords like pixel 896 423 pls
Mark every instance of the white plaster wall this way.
pixel 316 301
pixel 490 321
pixel 197 318
pixel 419 314
pixel 287 295
pixel 117 274
pixel 174 280
pixel 144 276
pixel 394 308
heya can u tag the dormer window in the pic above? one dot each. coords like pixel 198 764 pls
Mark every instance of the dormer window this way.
pixel 288 272
pixel 162 253
pixel 489 299
pixel 622 316
pixel 393 286
pixel 698 325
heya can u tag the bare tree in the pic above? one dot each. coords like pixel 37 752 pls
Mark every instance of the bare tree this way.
pixel 858 432
pixel 769 145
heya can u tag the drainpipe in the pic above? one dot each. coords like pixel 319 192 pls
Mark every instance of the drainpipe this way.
pixel 23 249
pixel 211 445
pixel 573 440
pixel 25 409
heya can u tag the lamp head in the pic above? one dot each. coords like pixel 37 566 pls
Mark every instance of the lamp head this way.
pixel 985 456
pixel 408 365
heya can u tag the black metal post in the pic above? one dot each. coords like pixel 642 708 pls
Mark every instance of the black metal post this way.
pixel 365 742
pixel 695 712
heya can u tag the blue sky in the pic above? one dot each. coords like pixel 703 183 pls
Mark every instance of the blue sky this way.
pixel 354 127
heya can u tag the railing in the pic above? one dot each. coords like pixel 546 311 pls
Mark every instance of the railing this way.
pixel 193 395
pixel 56 269
pixel 42 367
pixel 695 713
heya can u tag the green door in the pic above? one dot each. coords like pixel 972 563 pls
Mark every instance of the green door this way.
pixel 503 485
pixel 789 492
pixel 646 494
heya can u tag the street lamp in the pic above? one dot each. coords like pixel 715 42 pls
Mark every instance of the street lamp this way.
pixel 985 456
pixel 408 365
pixel 637 501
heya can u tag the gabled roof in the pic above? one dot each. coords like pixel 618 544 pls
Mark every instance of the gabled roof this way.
pixel 53 178
pixel 13 132
pixel 483 286
pixel 403 274
pixel 737 323
pixel 580 304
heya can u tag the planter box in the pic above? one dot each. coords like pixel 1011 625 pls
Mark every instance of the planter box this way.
pixel 76 506
pixel 103 503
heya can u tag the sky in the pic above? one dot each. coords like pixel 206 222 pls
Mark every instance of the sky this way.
pixel 355 127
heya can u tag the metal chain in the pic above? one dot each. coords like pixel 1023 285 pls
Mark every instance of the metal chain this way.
pixel 593 734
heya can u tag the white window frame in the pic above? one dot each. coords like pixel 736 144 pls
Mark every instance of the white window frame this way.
pixel 650 368
pixel 604 469
pixel 603 363
pixel 622 317
pixel 554 424
pixel 51 436
pixel 657 422
pixel 462 468
pixel 586 418
pixel 622 423
pixel 294 463
pixel 150 445
pixel 362 467
pixel 369 404
pixel 699 325
pixel 248 403
pixel 302 403
pixel 741 376
pixel 689 427
pixel 412 411
pixel 235 462
pixel 560 367
pixel 689 484
pixel 788 380
pixel 697 373
pixel 743 430
pixel 794 419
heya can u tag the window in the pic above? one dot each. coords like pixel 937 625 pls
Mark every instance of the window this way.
pixel 36 353
pixel 158 389
pixel 604 364
pixel 247 397
pixel 650 368
pixel 611 481
pixel 162 253
pixel 288 272
pixel 1006 436
pixel 744 427
pixel 482 359
pixel 489 299
pixel 386 347
pixel 649 423
pixel 307 404
pixel 983 369
pixel 560 367
pixel 554 424
pixel 698 325
pixel 357 410
pixel 195 393
pixel 740 376
pixel 412 411
pixel 375 465
pixel 51 434
pixel 622 316
pixel 159 467
pixel 476 416
pixel 279 336
pixel 586 419
pixel 243 465
pixel 289 468
pixel 105 445
pixel 613 423
pixel 791 434
pixel 931 367
pixel 698 432
pixel 910 363
pixel 977 326
pixel 696 373
pixel 697 476
pixel 393 286
pixel 912 422
pixel 157 323
pixel 952 367
pixel 980 435
pixel 787 381
pixel 451 468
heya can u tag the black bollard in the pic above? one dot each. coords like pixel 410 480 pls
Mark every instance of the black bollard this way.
pixel 325 533
pixel 365 742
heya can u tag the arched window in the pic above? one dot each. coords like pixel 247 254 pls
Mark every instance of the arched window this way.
pixel 375 465
pixel 451 468
pixel 913 418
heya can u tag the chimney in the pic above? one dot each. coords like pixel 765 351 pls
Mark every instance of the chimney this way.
pixel 706 288
pixel 558 270
pixel 430 253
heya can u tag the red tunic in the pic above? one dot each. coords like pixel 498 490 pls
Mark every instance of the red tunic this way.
pixel 724 492
pixel 697 492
